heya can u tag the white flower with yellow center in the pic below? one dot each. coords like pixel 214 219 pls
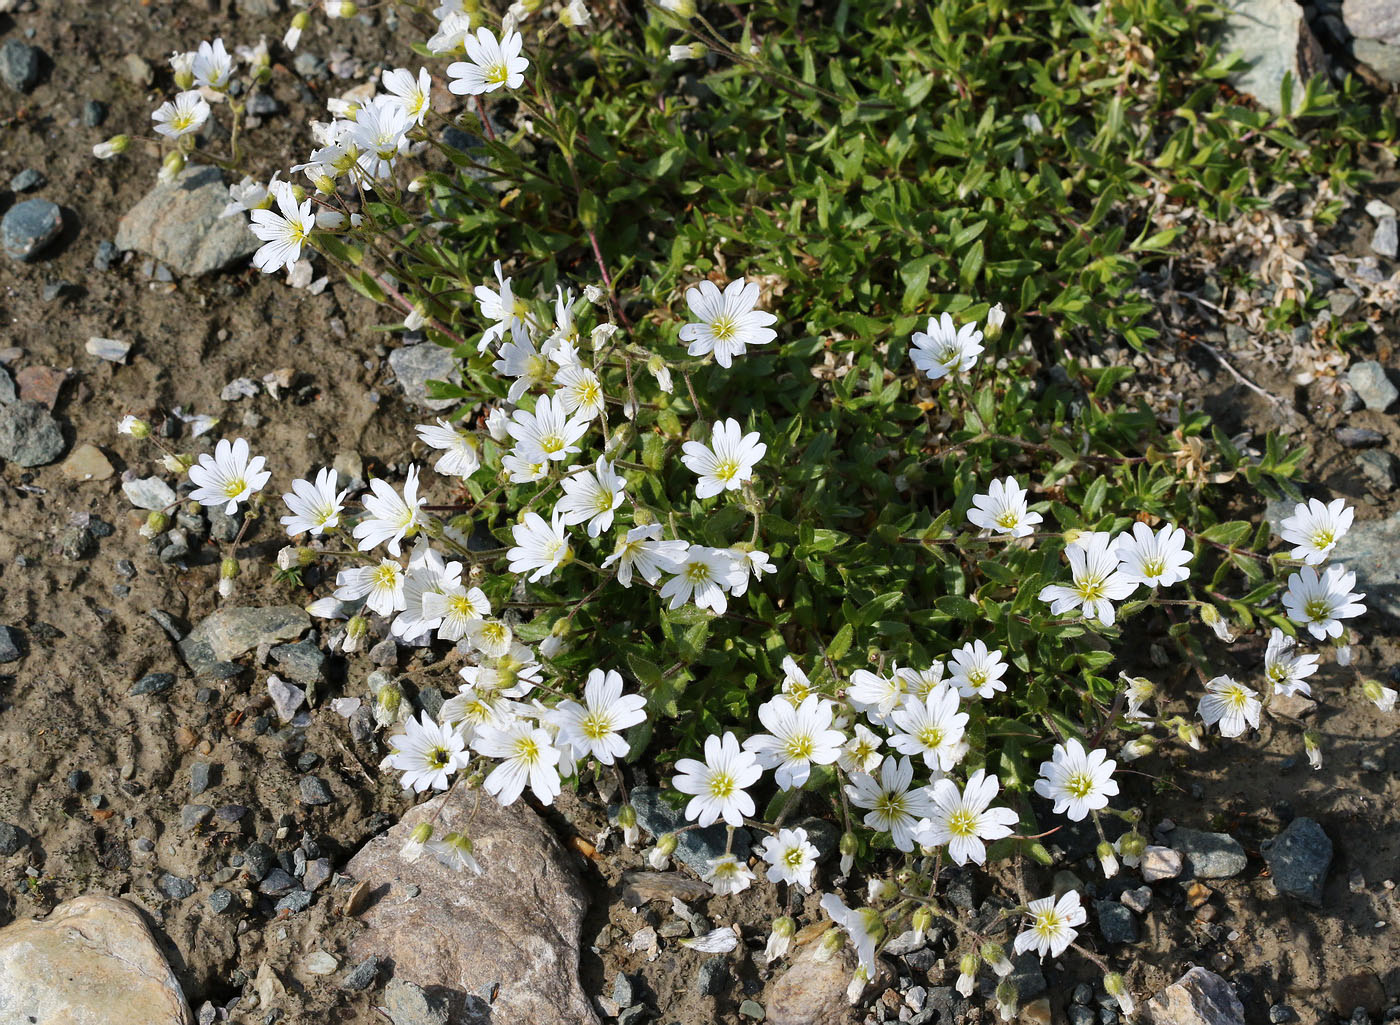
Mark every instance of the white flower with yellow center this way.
pixel 1314 529
pixel 591 497
pixel 795 684
pixel 595 727
pixel 791 857
pixel 797 739
pixel 1097 581
pixel 229 476
pixel 642 550
pixel 1321 603
pixel 718 783
pixel 414 95
pixel 726 323
pixel 932 727
pixel 500 307
pixel 1077 781
pixel 1285 667
pixel 727 462
pixel 521 361
pixel 454 28
pixel 727 875
pixel 864 926
pixel 186 113
pixel 963 820
pixel 456 607
pixel 920 683
pixel 471 708
pixel 892 804
pixel 461 451
pixel 861 753
pixel 539 546
pixel 283 231
pixel 1002 510
pixel 491 64
pixel 548 433
pixel 705 574
pixel 427 753
pixel 876 696
pixel 491 637
pixel 977 670
pixel 945 348
pixel 1052 924
pixel 380 585
pixel 1233 705
pixel 392 517
pixel 1155 559
pixel 527 755
pixel 580 391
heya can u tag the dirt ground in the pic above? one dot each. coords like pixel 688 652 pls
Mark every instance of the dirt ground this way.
pixel 89 632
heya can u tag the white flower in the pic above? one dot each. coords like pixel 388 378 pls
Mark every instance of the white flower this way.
pixel 1097 580
pixel 247 195
pixel 876 696
pixel 427 754
pixel 727 322
pixel 1002 509
pixel 212 65
pixel 455 607
pixel 580 391
pixel 498 424
pixel 1285 668
pixel 892 806
pixel 528 755
pixel 133 426
pixel 1383 696
pixel 391 517
pixel 1076 781
pixel 524 471
pixel 1052 925
pixel 596 726
pixel 455 851
pixel 471 709
pixel 727 875
pixel 932 727
pixel 1315 529
pixel 726 462
pixel 539 546
pixel 520 360
pixel 413 95
pixel 1320 603
pixel 379 133
pixel 977 670
pixel 718 783
pixel 920 683
pixel 229 476
pixel 797 739
pixel 314 507
pixel 490 64
pixel 548 433
pixel 452 34
pixel 996 317
pixel 427 575
pixel 574 14
pixel 1139 690
pixel 791 858
pixel 283 232
pixel 591 497
pixel 1230 704
pixel 706 574
pixel 381 586
pixel 963 820
pixel 754 562
pixel 861 753
pixel 643 550
pixel 863 925
pixel 461 451
pixel 500 306
pixel 1153 559
pixel 944 348
pixel 186 113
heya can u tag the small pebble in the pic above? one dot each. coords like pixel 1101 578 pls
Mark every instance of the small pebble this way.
pixel 174 887
pixel 28 179
pixel 94 113
pixel 314 791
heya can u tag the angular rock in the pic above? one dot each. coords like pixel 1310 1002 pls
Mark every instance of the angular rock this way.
pixel 153 683
pixel 1208 855
pixel 1368 550
pixel 1369 380
pixel 517 924
pixel 11 644
pixel 812 992
pixel 113 350
pixel 86 462
pixel 286 698
pixel 1160 863
pixel 1298 860
pixel 29 435
pixel 19 65
pixel 1199 997
pixel 232 632
pixel 415 365
pixel 1358 437
pixel 12 839
pixel 313 790
pixel 1116 922
pixel 1372 19
pixel 149 493
pixel 304 662
pixel 407 1004
pixel 1386 238
pixel 1384 60
pixel 175 887
pixel 694 847
pixel 1378 467
pixel 27 228
pixel 179 224
pixel 93 961
pixel 1266 33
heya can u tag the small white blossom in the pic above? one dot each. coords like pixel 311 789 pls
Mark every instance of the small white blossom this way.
pixel 726 323
pixel 539 546
pixel 791 858
pixel 229 476
pixel 186 113
pixel 1077 781
pixel 1321 603
pixel 963 819
pixel 580 391
pixel 1154 559
pixel 491 63
pixel 1002 509
pixel 381 586
pixel 314 506
pixel 797 738
pixel 718 783
pixel 944 348
pixel 527 754
pixel 1285 667
pixel 643 550
pixel 427 754
pixel 933 728
pixel 595 727
pixel 1097 580
pixel 861 753
pixel 414 95
pixel 727 875
pixel 703 575
pixel 1052 924
pixel 461 450
pixel 863 925
pixel 1314 529
pixel 976 670
pixel 283 232
pixel 391 517
pixel 212 65
pixel 548 433
pixel 1232 705
pixel 727 462
pixel 893 804
pixel 591 497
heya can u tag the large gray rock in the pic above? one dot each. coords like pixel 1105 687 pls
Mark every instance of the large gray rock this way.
pixel 1368 550
pixel 1383 59
pixel 460 935
pixel 812 992
pixel 1370 381
pixel 29 435
pixel 1208 855
pixel 694 847
pixel 1266 33
pixel 1298 860
pixel 1372 19
pixel 229 633
pixel 415 365
pixel 179 224
pixel 93 961
pixel 1199 997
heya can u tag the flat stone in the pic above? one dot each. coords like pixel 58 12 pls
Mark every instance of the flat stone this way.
pixel 277 881
pixel 11 644
pixel 29 435
pixel 1116 922
pixel 415 365
pixel 304 662
pixel 153 683
pixel 192 816
pixel 179 224
pixel 314 791
pixel 1160 863
pixel 28 228
pixel 12 839
pixel 93 961
pixel 113 350
pixel 1208 855
pixel 1368 550
pixel 811 991
pixel 1298 860
pixel 229 633
pixel 1369 380
pixel 1026 975
pixel 175 887
pixel 1266 34
pixel 318 870
pixel 86 462
pixel 28 179
pixel 318 962
pixel 8 393
pixel 220 901
pixel 295 901
pixel 1378 467
pixel 20 65
pixel 1384 60
pixel 1199 997
pixel 362 976
pixel 516 925
pixel 150 493
pixel 695 847
pixel 1139 899
pixel 1358 437
pixel 407 1004
pixel 1386 238
pixel 286 698
pixel 41 384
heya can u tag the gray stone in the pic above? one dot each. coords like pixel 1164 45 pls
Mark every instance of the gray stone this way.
pixel 362 976
pixel 28 179
pixel 261 8
pixel 1385 238
pixel 1266 33
pixel 94 113
pixel 313 790
pixel 812 991
pixel 153 683
pixel 8 393
pixel 1369 380
pixel 1298 860
pixel 113 350
pixel 1081 1015
pixel 286 698
pixel 28 227
pixel 1199 997
pixel 695 847
pixel 19 65
pixel 1116 922
pixel 714 977
pixel 11 644
pixel 1025 975
pixel 12 839
pixel 317 872
pixel 304 662
pixel 277 881
pixel 407 1004
pixel 93 961
pixel 174 887
pixel 1372 19
pixel 1378 467
pixel 232 632
pixel 106 256
pixel 1384 60
pixel 415 365
pixel 1358 437
pixel 296 900
pixel 150 493
pixel 179 224
pixel 516 925
pixel 29 435
pixel 1139 899
pixel 203 775
pixel 1368 550
pixel 308 65
pixel 624 991
pixel 258 859
pixel 1208 855
pixel 220 901
pixel 192 816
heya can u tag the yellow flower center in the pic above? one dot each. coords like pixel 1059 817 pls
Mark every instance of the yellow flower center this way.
pixel 697 573
pixel 1323 538
pixel 597 725
pixel 798 747
pixel 235 487
pixel 726 470
pixel 497 73
pixel 722 785
pixel 526 749
pixel 962 823
pixel 931 736
pixel 437 758
pixel 551 443
pixel 1008 520
pixel 1318 610
pixel 1080 784
pixel 723 327
pixel 793 857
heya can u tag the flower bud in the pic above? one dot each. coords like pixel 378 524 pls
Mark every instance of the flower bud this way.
pixel 1381 695
pixel 593 294
pixel 995 955
pixel 173 164
pixel 850 847
pixel 133 426
pixel 115 146
pixel 1138 747
pixel 967 974
pixel 830 946
pixel 784 928
pixel 680 8
pixel 341 9
pixel 880 890
pixel 627 819
pixel 228 569
pixel 388 701
pixel 1189 734
pixel 1007 999
pixel 413 848
pixel 922 921
pixel 1132 845
pixel 1108 858
pixel 687 51
pixel 996 317
pixel 1117 988
pixel 156 523
pixel 1312 744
